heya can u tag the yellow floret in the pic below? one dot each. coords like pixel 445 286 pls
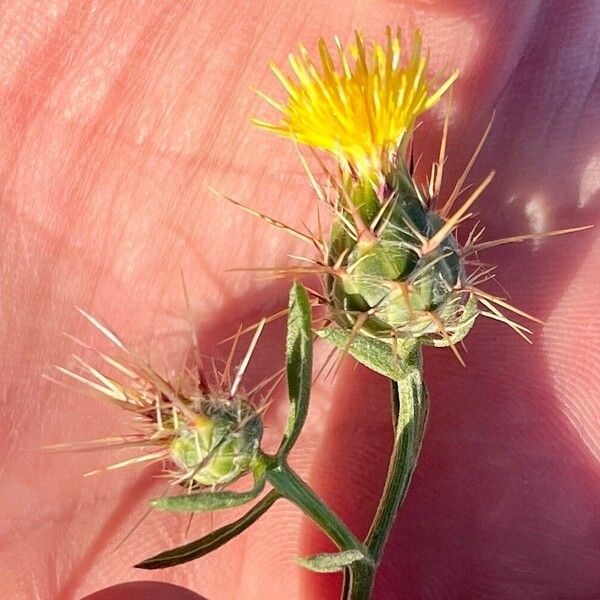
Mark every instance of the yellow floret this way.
pixel 360 112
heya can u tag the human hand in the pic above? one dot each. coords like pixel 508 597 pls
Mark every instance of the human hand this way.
pixel 116 118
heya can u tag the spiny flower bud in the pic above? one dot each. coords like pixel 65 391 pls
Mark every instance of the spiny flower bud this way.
pixel 221 443
pixel 392 266
pixel 206 433
pixel 383 278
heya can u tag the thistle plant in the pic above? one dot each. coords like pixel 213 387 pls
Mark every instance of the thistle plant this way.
pixel 392 267
pixel 207 433
pixel 396 275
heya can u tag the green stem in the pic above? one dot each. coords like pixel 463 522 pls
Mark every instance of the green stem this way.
pixel 290 486
pixel 410 400
pixel 358 581
pixel 412 403
pixel 359 576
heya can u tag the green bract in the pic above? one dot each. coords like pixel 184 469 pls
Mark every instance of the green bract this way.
pixel 388 283
pixel 223 442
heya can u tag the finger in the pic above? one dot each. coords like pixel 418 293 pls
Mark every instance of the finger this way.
pixel 142 590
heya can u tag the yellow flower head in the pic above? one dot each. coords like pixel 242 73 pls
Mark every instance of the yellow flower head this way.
pixel 362 112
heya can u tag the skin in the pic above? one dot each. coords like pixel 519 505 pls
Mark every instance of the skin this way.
pixel 116 116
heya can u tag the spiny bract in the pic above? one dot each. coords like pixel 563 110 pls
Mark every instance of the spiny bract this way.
pixel 392 266
pixel 207 433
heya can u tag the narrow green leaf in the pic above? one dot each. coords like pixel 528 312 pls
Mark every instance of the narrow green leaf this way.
pixel 371 352
pixel 209 501
pixel 330 562
pixel 203 501
pixel 299 364
pixel 212 541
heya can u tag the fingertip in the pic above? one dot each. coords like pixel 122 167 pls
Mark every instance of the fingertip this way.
pixel 144 590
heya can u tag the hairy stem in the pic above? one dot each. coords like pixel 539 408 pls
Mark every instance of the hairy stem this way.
pixel 410 399
pixel 290 486
pixel 410 407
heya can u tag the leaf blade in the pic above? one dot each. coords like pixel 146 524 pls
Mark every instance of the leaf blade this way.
pixel 413 406
pixel 209 501
pixel 330 562
pixel 298 364
pixel 375 354
pixel 212 541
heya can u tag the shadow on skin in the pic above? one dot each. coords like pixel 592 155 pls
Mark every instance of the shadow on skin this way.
pixel 144 590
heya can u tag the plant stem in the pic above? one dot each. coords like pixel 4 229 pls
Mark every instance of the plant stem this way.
pixel 410 400
pixel 412 404
pixel 290 486
pixel 359 575
pixel 358 581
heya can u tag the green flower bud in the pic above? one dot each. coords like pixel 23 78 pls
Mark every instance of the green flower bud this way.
pixel 385 282
pixel 221 444
pixel 205 432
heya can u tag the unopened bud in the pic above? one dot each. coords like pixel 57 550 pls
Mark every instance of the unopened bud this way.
pixel 385 278
pixel 221 444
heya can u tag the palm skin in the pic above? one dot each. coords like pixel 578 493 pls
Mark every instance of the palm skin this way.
pixel 115 120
